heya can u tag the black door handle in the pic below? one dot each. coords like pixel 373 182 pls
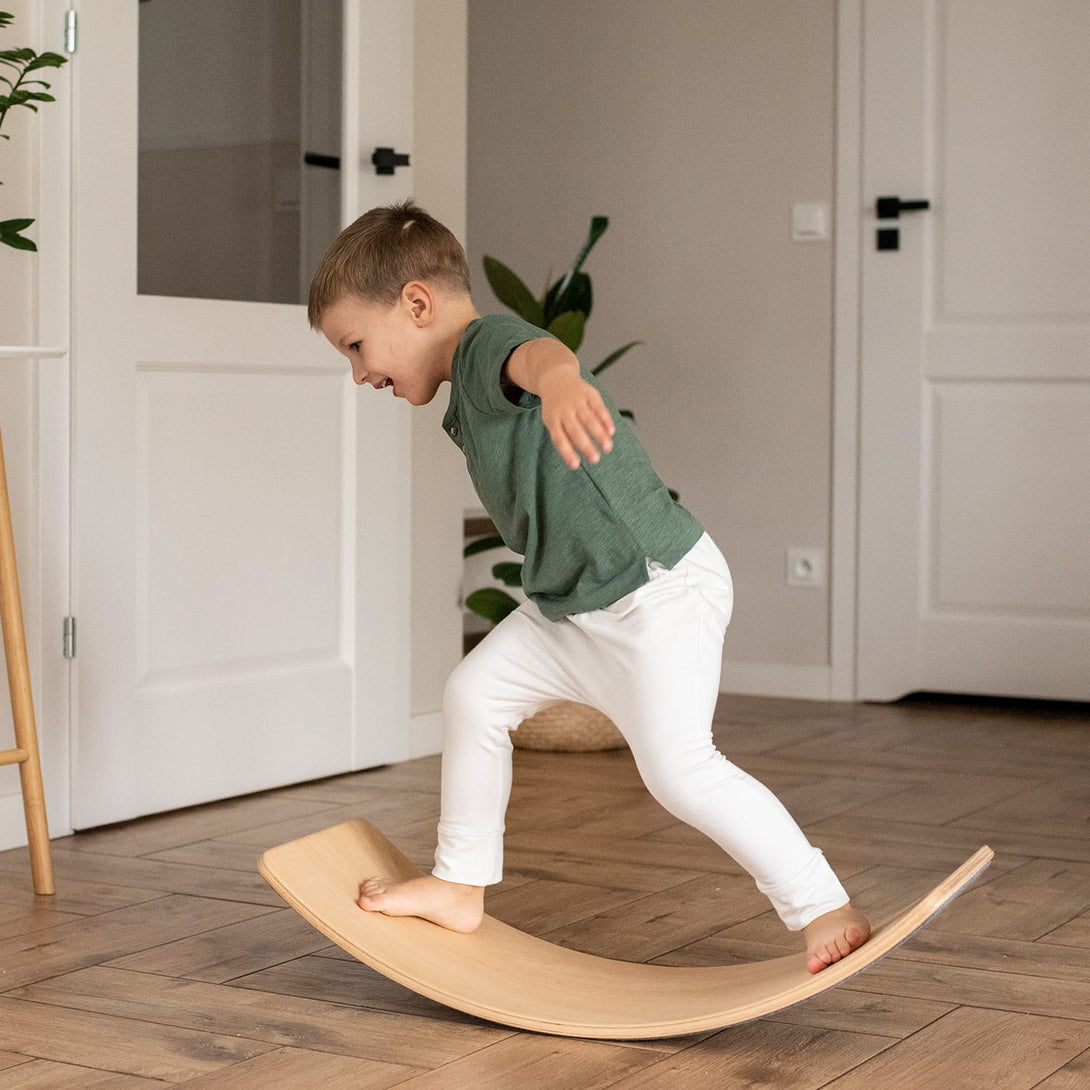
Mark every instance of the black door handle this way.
pixel 317 159
pixel 890 208
pixel 385 159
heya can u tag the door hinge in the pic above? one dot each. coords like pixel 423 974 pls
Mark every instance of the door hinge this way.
pixel 70 637
pixel 70 31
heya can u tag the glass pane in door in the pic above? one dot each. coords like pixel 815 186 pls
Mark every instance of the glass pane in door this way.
pixel 235 97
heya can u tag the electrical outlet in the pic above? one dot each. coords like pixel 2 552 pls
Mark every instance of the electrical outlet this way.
pixel 806 567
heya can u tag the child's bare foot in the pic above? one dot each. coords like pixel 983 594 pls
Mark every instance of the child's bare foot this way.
pixel 833 936
pixel 449 904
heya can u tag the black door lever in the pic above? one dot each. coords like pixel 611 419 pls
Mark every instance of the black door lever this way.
pixel 890 208
pixel 386 159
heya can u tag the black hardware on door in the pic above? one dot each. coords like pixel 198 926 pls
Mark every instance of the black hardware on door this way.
pixel 890 208
pixel 386 159
pixel 887 238
pixel 317 159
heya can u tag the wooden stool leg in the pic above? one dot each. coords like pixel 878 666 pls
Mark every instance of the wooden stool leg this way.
pixel 26 753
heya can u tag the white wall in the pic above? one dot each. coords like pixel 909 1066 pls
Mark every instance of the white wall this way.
pixel 694 126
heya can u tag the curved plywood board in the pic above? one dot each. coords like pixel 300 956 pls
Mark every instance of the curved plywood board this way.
pixel 507 976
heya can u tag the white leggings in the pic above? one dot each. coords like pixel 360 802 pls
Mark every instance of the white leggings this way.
pixel 650 662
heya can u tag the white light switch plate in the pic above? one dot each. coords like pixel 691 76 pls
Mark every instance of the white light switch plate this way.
pixel 810 221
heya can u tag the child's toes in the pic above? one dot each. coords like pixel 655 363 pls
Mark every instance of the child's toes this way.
pixel 853 939
pixel 843 946
pixel 370 891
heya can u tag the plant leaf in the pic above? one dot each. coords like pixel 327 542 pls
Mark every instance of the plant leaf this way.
pixel 10 234
pixel 577 295
pixel 508 573
pixel 613 357
pixel 512 292
pixel 491 603
pixel 598 224
pixel 46 60
pixel 567 328
pixel 483 545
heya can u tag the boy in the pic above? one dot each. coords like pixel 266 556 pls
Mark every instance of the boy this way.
pixel 628 597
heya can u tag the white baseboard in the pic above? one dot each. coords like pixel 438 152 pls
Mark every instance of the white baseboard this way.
pixel 426 734
pixel 777 679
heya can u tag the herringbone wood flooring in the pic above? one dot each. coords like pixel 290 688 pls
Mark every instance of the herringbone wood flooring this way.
pixel 165 959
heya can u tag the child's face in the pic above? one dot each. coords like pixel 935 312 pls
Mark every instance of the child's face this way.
pixel 390 347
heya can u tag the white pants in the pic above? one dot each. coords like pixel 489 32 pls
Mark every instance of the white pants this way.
pixel 651 662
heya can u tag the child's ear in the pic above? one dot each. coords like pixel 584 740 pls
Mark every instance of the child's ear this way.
pixel 419 301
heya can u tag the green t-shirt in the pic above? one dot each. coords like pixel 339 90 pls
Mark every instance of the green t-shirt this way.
pixel 586 535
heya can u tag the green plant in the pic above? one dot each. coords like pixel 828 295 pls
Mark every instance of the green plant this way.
pixel 563 311
pixel 17 65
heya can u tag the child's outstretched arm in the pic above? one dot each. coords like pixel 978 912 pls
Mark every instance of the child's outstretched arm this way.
pixel 572 410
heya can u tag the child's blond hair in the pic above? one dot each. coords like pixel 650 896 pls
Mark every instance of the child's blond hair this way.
pixel 375 257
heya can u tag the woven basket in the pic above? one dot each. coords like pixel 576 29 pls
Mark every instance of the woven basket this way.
pixel 568 728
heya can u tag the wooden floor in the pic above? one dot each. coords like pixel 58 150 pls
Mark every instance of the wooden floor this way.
pixel 165 959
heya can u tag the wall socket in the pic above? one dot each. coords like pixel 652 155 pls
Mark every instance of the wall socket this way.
pixel 806 567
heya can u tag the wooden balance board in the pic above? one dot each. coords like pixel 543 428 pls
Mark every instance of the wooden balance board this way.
pixel 504 975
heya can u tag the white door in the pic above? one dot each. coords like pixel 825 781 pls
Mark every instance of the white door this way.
pixel 241 581
pixel 975 350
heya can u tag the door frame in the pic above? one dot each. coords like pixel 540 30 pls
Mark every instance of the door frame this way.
pixel 46 604
pixel 847 317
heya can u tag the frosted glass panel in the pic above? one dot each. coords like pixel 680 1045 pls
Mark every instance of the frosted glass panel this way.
pixel 233 95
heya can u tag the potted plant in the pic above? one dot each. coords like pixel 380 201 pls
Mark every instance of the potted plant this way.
pixel 563 311
pixel 15 66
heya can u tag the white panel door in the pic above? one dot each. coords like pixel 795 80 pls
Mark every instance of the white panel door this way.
pixel 975 350
pixel 241 514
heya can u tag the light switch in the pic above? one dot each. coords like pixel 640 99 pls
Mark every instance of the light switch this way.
pixel 810 221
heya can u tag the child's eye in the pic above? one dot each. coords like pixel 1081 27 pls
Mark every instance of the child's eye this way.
pixel 354 346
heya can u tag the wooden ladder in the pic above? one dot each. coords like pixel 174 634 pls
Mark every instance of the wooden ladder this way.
pixel 25 754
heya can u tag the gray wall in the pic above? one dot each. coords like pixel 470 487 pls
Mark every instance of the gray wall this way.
pixel 694 127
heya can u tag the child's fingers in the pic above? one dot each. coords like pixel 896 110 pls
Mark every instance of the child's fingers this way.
pixel 582 426
pixel 591 441
pixel 600 425
pixel 566 450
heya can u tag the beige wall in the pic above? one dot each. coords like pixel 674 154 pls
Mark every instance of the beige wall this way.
pixel 694 126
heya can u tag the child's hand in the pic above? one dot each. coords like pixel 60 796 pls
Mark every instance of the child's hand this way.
pixel 571 408
pixel 576 418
